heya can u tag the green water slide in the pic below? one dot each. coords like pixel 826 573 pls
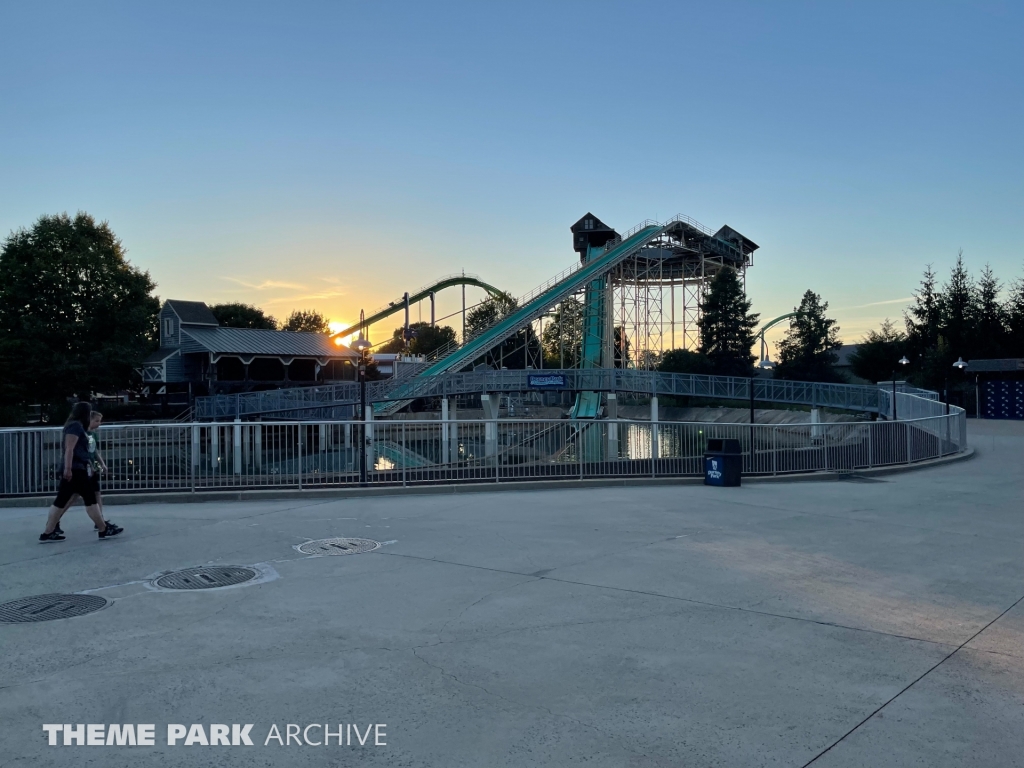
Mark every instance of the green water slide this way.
pixel 394 307
pixel 533 306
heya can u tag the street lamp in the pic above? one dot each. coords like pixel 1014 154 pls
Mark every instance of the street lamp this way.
pixel 902 361
pixel 959 365
pixel 362 346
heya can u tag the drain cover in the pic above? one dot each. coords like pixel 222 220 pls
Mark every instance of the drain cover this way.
pixel 206 577
pixel 49 607
pixel 338 546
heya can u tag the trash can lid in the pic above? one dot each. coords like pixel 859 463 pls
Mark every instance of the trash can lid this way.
pixel 723 445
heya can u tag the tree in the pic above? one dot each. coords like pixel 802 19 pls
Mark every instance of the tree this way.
pixel 308 321
pixel 489 312
pixel 685 361
pixel 958 325
pixel 727 326
pixel 426 339
pixel 238 315
pixel 923 320
pixel 518 349
pixel 990 321
pixel 878 354
pixel 807 353
pixel 563 335
pixel 76 318
pixel 1014 313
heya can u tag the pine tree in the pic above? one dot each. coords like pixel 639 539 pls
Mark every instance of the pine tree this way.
pixel 923 319
pixel 807 353
pixel 1014 312
pixel 989 327
pixel 959 310
pixel 727 326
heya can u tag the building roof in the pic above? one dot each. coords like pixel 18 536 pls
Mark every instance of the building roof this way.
pixel 730 235
pixel 192 312
pixel 1003 364
pixel 253 341
pixel 844 353
pixel 160 355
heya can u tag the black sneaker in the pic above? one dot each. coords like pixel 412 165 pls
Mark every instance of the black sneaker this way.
pixel 58 530
pixel 106 521
pixel 112 530
pixel 55 536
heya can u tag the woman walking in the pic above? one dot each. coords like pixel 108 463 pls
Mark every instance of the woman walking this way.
pixel 76 477
pixel 97 465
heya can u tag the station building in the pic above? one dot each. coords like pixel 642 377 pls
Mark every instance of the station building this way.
pixel 197 356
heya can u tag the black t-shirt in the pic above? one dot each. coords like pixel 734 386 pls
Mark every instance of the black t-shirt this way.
pixel 80 460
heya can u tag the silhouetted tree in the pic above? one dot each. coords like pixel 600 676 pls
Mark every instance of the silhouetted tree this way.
pixel 238 315
pixel 878 354
pixel 727 326
pixel 308 320
pixel 808 351
pixel 76 318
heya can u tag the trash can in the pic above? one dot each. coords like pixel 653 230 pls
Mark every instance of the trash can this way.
pixel 723 462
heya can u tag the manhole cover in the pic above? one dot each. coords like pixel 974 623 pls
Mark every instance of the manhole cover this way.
pixel 49 607
pixel 206 577
pixel 338 546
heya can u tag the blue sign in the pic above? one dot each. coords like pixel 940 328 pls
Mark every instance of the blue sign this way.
pixel 546 380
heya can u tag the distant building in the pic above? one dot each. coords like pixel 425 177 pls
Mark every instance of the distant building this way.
pixel 1000 386
pixel 198 357
pixel 845 365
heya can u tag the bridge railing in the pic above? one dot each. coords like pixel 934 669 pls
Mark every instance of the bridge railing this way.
pixel 301 402
pixel 315 454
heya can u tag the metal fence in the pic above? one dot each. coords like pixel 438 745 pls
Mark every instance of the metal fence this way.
pixel 238 455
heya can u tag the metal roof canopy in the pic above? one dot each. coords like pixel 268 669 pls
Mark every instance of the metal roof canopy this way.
pixel 258 342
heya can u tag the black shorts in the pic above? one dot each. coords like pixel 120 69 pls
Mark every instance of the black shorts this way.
pixel 79 483
pixel 96 483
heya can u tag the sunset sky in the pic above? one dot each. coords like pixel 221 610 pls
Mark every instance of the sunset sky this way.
pixel 333 155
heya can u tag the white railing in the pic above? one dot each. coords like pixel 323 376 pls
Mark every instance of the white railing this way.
pixel 211 456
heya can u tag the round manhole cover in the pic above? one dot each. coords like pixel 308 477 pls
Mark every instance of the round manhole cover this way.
pixel 206 577
pixel 343 546
pixel 49 607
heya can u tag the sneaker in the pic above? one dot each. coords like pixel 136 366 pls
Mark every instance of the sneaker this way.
pixel 106 521
pixel 111 530
pixel 55 536
pixel 58 530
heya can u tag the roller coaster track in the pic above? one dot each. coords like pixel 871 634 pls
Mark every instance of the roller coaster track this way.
pixel 394 307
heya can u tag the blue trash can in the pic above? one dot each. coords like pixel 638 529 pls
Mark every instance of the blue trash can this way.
pixel 723 462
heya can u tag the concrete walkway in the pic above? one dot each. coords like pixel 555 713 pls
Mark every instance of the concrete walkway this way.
pixel 872 623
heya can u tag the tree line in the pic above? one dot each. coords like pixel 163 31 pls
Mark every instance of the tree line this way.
pixel 962 317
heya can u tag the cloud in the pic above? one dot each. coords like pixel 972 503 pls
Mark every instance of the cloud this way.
pixel 267 284
pixel 904 300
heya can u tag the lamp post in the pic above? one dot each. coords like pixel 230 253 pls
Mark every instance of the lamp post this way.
pixel 902 361
pixel 959 365
pixel 765 365
pixel 361 345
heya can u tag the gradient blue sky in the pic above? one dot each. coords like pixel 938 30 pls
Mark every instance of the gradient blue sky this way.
pixel 331 155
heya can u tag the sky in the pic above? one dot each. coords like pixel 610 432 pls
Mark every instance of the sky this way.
pixel 331 156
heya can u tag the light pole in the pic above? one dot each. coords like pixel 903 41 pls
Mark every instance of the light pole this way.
pixel 361 345
pixel 902 361
pixel 765 365
pixel 959 365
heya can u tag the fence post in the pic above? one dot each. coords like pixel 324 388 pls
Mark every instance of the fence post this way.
pixel 301 452
pixel 871 444
pixel 775 450
pixel 194 464
pixel 906 428
pixel 405 456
